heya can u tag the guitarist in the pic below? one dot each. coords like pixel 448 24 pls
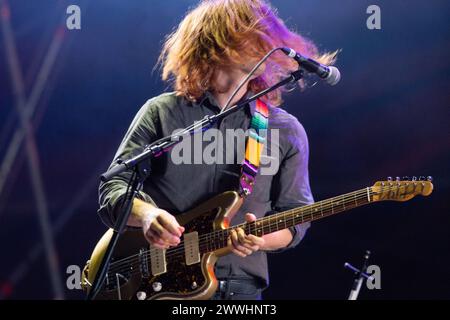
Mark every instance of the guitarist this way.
pixel 208 55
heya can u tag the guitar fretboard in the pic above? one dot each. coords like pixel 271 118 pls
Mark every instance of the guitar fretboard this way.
pixel 279 221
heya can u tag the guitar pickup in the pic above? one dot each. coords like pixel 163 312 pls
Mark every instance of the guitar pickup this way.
pixel 158 260
pixel 143 262
pixel 191 248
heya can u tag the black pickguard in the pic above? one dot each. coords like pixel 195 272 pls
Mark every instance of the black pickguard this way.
pixel 131 259
pixel 180 277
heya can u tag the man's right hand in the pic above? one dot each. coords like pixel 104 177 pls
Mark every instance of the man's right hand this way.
pixel 161 229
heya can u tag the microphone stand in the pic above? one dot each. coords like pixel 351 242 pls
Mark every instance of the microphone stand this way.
pixel 360 275
pixel 141 169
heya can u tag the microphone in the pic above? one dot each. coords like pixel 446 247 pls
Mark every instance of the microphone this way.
pixel 330 74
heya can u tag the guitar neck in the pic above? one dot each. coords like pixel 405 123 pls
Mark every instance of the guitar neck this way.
pixel 218 239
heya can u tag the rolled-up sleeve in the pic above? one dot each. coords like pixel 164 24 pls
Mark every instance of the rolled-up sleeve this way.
pixel 142 131
pixel 291 188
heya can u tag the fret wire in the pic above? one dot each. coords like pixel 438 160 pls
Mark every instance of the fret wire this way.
pixel 293 218
pixel 321 208
pixel 270 218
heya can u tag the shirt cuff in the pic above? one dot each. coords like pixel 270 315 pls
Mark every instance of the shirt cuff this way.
pixel 298 233
pixel 110 211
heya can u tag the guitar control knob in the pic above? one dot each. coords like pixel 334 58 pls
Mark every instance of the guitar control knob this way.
pixel 141 295
pixel 157 286
pixel 194 285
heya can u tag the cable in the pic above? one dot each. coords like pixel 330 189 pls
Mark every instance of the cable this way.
pixel 248 77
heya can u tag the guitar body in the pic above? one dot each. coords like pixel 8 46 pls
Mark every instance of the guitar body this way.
pixel 140 271
pixel 179 281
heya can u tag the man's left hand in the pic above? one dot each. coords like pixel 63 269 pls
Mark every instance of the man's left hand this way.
pixel 242 244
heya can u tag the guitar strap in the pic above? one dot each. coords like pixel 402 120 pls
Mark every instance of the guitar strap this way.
pixel 254 148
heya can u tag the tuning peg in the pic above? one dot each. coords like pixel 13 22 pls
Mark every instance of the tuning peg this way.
pixel 405 178
pixel 430 178
pixel 397 178
pixel 414 178
pixel 421 178
pixel 389 178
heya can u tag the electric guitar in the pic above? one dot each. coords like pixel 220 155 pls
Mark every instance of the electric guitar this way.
pixel 140 271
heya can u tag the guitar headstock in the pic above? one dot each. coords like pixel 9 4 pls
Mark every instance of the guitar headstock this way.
pixel 401 189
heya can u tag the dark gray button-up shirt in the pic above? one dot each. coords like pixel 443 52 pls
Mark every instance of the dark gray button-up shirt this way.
pixel 177 187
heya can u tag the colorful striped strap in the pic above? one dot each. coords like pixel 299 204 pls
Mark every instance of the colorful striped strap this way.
pixel 254 148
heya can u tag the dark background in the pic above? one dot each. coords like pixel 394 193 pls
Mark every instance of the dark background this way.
pixel 389 116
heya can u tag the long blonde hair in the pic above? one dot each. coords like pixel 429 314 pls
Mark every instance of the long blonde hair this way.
pixel 224 33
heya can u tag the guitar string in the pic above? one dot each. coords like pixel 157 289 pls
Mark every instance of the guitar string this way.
pixel 201 237
pixel 311 215
pixel 357 195
pixel 328 203
pixel 362 194
pixel 135 265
